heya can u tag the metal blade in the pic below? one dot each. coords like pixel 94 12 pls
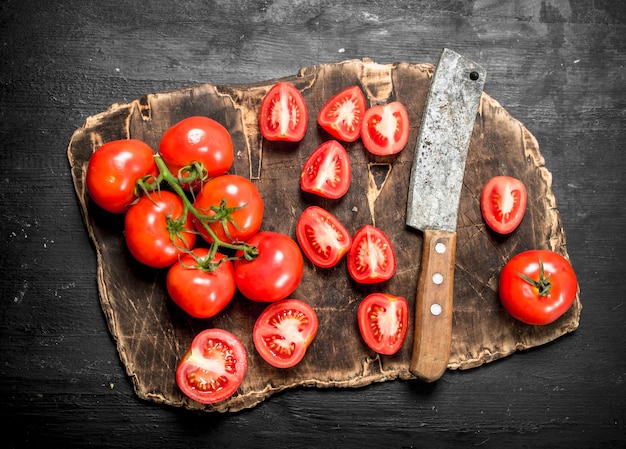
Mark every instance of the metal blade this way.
pixel 441 150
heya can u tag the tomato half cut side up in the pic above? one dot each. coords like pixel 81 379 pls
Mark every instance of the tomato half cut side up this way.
pixel 383 322
pixel 283 114
pixel 385 129
pixel 371 258
pixel 342 115
pixel 322 237
pixel 503 203
pixel 213 367
pixel 327 171
pixel 284 331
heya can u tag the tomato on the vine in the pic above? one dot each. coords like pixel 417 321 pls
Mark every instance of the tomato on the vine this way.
pixel 383 321
pixel 385 128
pixel 157 234
pixel 199 286
pixel 233 207
pixel 342 115
pixel 537 286
pixel 327 172
pixel 114 170
pixel 283 114
pixel 503 203
pixel 371 258
pixel 284 331
pixel 275 273
pixel 322 237
pixel 213 367
pixel 197 139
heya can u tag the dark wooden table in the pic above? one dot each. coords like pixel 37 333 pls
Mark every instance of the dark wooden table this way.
pixel 557 66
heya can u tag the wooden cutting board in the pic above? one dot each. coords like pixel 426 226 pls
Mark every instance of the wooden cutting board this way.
pixel 152 334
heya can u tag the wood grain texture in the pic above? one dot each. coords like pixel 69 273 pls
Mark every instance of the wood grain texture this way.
pixel 152 334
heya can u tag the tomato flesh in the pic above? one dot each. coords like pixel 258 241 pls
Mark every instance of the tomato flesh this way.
pixel 503 203
pixel 322 237
pixel 284 331
pixel 327 171
pixel 385 129
pixel 342 115
pixel 371 258
pixel 383 322
pixel 283 114
pixel 213 367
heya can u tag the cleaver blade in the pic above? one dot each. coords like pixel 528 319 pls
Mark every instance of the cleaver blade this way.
pixel 433 202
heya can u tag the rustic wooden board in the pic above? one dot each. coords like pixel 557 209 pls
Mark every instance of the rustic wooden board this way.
pixel 151 333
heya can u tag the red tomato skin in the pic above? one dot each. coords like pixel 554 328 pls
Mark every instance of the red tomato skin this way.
pixel 275 273
pixel 368 242
pixel 522 300
pixel 147 236
pixel 206 386
pixel 327 171
pixel 114 170
pixel 268 335
pixel 283 115
pixel 342 115
pixel 197 139
pixel 239 192
pixel 503 203
pixel 322 237
pixel 202 294
pixel 385 129
pixel 393 311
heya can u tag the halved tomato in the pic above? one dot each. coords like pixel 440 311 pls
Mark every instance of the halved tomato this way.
pixel 213 367
pixel 383 322
pixel 284 331
pixel 371 258
pixel 385 128
pixel 342 115
pixel 322 237
pixel 503 203
pixel 327 171
pixel 283 114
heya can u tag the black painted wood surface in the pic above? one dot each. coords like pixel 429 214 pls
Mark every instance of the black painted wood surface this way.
pixel 557 66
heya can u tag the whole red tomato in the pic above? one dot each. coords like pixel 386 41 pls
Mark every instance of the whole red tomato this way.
pixel 234 203
pixel 385 128
pixel 327 171
pixel 157 234
pixel 199 286
pixel 283 114
pixel 275 273
pixel 213 367
pixel 371 258
pixel 383 322
pixel 503 203
pixel 114 170
pixel 537 286
pixel 342 115
pixel 322 237
pixel 197 139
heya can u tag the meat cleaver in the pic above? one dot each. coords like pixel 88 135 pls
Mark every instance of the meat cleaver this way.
pixel 433 202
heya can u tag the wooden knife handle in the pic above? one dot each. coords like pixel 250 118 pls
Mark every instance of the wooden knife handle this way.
pixel 433 306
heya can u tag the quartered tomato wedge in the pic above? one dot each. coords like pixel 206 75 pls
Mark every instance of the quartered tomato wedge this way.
pixel 327 171
pixel 383 322
pixel 283 114
pixel 284 331
pixel 503 203
pixel 322 237
pixel 371 258
pixel 342 115
pixel 385 128
pixel 213 367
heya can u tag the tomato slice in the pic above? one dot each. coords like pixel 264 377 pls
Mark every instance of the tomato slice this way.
pixel 284 331
pixel 371 258
pixel 283 114
pixel 503 203
pixel 385 128
pixel 322 237
pixel 327 171
pixel 213 367
pixel 342 115
pixel 383 322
